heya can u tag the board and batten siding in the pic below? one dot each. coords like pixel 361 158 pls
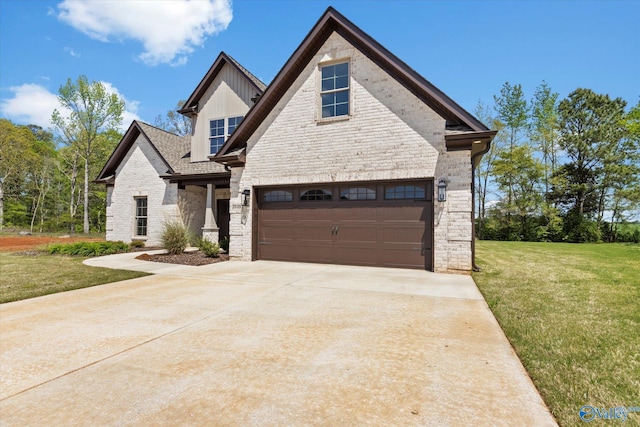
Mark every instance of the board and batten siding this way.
pixel 229 95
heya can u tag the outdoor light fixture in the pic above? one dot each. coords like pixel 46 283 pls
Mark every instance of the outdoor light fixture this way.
pixel 442 190
pixel 245 196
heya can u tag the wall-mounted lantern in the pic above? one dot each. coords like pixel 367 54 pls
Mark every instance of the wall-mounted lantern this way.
pixel 442 190
pixel 245 196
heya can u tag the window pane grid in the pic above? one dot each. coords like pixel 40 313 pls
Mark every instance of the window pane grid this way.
pixel 278 196
pixel 335 90
pixel 141 216
pixel 404 192
pixel 233 124
pixel 316 194
pixel 217 134
pixel 357 193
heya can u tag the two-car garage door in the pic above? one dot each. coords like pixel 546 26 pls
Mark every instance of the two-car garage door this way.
pixel 387 224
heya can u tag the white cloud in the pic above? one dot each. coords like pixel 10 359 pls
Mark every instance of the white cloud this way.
pixel 168 30
pixel 72 52
pixel 34 104
pixel 30 104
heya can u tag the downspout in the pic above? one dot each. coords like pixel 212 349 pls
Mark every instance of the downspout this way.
pixel 480 153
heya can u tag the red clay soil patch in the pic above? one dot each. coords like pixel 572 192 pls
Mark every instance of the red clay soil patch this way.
pixel 195 258
pixel 23 243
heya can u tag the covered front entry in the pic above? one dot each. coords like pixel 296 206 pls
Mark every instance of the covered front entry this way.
pixel 386 224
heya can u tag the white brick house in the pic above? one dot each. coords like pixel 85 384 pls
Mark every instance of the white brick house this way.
pixel 338 161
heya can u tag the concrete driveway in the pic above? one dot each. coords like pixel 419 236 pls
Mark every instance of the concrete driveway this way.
pixel 263 343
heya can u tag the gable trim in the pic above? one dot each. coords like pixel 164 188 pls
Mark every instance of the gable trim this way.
pixel 190 107
pixel 330 22
pixel 107 173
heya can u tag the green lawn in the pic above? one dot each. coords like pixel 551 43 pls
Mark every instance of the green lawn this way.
pixel 572 313
pixel 28 276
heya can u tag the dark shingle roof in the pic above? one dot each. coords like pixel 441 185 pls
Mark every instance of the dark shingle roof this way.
pixel 174 150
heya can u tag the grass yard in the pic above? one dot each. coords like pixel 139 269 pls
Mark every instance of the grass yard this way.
pixel 28 276
pixel 572 313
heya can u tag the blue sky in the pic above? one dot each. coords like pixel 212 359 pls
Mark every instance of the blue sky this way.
pixel 155 53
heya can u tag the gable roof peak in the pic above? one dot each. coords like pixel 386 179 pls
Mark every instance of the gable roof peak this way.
pixel 191 105
pixel 333 21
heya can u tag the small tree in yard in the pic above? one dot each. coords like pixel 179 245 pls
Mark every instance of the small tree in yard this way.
pixel 175 237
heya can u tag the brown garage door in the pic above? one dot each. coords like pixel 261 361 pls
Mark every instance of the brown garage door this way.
pixel 385 224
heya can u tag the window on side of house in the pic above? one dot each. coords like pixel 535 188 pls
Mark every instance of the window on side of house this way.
pixel 141 216
pixel 216 135
pixel 220 130
pixel 334 91
pixel 234 122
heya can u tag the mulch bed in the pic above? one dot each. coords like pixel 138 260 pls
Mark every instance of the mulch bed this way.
pixel 195 258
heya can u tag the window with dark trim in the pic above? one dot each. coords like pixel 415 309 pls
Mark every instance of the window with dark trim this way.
pixel 357 193
pixel 277 196
pixel 398 192
pixel 334 92
pixel 141 216
pixel 316 194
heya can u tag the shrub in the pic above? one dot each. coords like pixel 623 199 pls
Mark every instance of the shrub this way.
pixel 175 237
pixel 224 244
pixel 88 249
pixel 137 244
pixel 208 248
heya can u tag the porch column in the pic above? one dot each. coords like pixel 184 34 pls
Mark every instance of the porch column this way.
pixel 210 231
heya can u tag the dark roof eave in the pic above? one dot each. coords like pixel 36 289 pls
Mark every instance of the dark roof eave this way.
pixel 190 106
pixel 332 21
pixel 466 140
pixel 234 159
pixel 178 177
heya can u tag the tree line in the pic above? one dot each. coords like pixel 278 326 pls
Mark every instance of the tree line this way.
pixel 46 174
pixel 559 170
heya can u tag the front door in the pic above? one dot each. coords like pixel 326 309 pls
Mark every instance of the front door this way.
pixel 222 206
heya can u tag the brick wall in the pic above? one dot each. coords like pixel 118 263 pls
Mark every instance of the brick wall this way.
pixel 390 134
pixel 138 175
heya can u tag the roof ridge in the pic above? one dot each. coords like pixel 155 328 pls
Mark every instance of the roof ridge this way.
pixel 140 122
pixel 245 70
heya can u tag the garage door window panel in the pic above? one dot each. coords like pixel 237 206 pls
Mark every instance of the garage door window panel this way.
pixel 357 193
pixel 277 196
pixel 316 194
pixel 404 192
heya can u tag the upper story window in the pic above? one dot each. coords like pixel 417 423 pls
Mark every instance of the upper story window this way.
pixel 234 122
pixel 220 130
pixel 335 90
